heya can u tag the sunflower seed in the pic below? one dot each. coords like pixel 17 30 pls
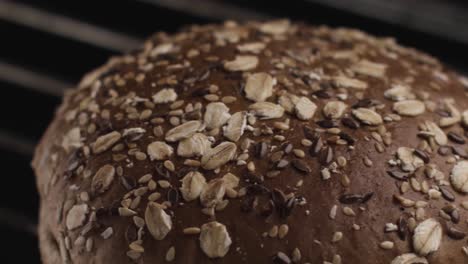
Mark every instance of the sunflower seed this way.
pixel 159 223
pixel 192 185
pixel 267 110
pixel 242 63
pixel 166 95
pixel 214 239
pixel 409 107
pixel 218 156
pixel 281 258
pixel 305 108
pixel 106 141
pixel 337 236
pixel 334 109
pixel 183 131
pixel 409 258
pixel 170 254
pixel 76 216
pixel 367 116
pixel 427 237
pixel 459 176
pixel 259 86
pixel 159 150
pixel 196 145
pixel 192 231
pixel 236 126
pixel 387 245
pixel 103 179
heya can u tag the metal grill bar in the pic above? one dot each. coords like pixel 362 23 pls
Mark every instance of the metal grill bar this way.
pixel 433 17
pixel 32 80
pixel 16 144
pixel 217 10
pixel 66 27
pixel 18 221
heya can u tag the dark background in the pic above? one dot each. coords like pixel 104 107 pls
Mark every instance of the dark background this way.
pixel 46 46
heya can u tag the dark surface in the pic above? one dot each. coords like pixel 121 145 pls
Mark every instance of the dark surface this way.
pixel 25 113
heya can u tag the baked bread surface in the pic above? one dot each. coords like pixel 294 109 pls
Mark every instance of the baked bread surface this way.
pixel 271 142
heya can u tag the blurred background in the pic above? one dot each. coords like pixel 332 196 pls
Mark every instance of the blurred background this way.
pixel 46 46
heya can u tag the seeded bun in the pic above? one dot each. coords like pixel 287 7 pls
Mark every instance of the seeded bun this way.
pixel 269 142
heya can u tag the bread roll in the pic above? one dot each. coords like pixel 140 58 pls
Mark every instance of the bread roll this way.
pixel 270 142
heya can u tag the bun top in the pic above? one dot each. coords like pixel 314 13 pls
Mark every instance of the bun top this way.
pixel 256 143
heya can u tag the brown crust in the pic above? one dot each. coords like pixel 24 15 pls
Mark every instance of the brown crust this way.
pixel 318 65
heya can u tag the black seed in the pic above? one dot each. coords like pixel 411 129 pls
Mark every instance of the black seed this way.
pixel 102 212
pixel 327 123
pixel 193 115
pixel 204 75
pixel 162 171
pixel 355 198
pixel 448 209
pixel 444 150
pixel 261 149
pixel 131 234
pixel 350 123
pixel 401 176
pixel 301 166
pixel 316 147
pixel 252 178
pixel 443 113
pixel 326 156
pixel 248 203
pixel 283 206
pixel 127 183
pixel 402 227
pixel 456 234
pixel 456 137
pixel 310 134
pixel 290 204
pixel 460 151
pixel 366 102
pixel 322 94
pixel 255 189
pixel 173 196
pixel 278 197
pixel 455 216
pixel 350 198
pixel 367 197
pixel 200 92
pixel 346 137
pixel 447 194
pixel 267 209
pixel 423 155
